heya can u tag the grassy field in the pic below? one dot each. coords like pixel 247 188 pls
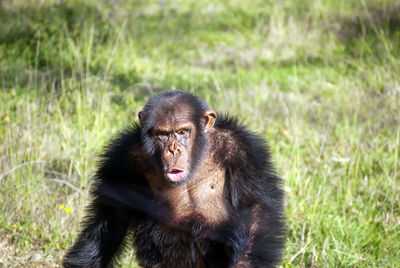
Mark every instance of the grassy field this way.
pixel 318 79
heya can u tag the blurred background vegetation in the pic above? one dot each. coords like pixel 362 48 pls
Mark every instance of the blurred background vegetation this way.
pixel 319 79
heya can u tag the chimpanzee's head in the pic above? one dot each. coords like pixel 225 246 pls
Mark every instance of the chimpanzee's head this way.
pixel 174 126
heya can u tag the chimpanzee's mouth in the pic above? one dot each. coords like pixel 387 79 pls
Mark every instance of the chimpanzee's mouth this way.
pixel 176 174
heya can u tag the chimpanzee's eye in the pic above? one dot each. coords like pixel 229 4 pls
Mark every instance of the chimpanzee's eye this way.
pixel 183 131
pixel 161 136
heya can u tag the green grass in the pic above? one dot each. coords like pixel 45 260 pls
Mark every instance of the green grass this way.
pixel 318 79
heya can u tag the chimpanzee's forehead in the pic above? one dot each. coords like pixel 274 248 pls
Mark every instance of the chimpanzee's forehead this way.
pixel 172 112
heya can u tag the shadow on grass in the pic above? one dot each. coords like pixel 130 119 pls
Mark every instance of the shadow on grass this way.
pixel 38 43
pixel 353 31
pixel 369 22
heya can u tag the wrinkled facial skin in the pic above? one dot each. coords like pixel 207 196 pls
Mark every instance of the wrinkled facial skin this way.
pixel 174 135
pixel 175 143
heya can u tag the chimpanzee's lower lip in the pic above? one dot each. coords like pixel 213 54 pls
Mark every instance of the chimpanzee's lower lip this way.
pixel 176 174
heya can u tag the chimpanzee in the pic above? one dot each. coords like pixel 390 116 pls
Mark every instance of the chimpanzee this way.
pixel 189 187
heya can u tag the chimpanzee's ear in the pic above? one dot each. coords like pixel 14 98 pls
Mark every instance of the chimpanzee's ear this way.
pixel 209 118
pixel 140 117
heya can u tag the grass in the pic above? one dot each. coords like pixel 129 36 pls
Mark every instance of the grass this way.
pixel 317 79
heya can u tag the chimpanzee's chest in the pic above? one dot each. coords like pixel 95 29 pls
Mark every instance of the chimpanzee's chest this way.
pixel 201 199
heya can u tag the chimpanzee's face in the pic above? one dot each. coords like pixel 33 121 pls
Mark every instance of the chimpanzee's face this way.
pixel 174 133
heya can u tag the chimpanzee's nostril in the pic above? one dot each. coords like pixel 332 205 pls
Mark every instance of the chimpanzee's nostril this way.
pixel 173 148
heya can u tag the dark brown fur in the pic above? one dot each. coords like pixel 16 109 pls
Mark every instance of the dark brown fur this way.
pixel 225 212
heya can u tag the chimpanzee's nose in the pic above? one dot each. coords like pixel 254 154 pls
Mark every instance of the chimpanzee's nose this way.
pixel 173 148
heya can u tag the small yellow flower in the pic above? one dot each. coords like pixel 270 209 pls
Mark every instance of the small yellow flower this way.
pixel 61 207
pixel 7 118
pixel 58 246
pixel 67 210
pixel 35 228
pixel 20 228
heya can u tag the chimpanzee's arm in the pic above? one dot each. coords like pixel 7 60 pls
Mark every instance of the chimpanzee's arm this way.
pixel 101 238
pixel 120 198
pixel 256 195
pixel 262 240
